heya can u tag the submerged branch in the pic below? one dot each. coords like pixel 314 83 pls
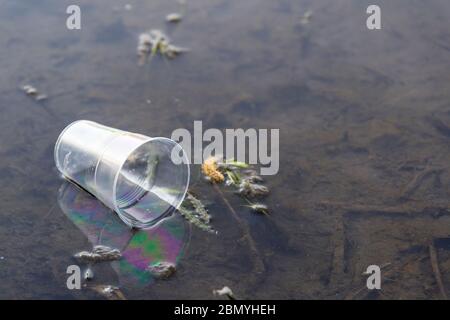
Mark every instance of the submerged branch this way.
pixel 436 271
pixel 257 260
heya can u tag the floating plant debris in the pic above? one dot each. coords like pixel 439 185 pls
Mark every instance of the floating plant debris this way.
pixel 199 208
pixel 259 208
pixel 33 92
pixel 251 189
pixel 194 211
pixel 154 42
pixel 162 270
pixel 239 175
pixel 306 18
pixel 144 47
pixel 110 292
pixel 174 17
pixel 98 254
pixel 232 164
pixel 88 274
pixel 225 291
pixel 211 170
pixel 252 176
pixel 30 90
pixel 246 181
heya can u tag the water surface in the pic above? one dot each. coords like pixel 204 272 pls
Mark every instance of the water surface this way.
pixel 364 123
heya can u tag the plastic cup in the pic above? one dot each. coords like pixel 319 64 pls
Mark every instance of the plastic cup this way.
pixel 132 174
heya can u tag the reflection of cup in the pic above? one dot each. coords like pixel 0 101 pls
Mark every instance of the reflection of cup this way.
pixel 130 173
pixel 140 248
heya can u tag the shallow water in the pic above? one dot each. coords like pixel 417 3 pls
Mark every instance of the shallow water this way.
pixel 364 120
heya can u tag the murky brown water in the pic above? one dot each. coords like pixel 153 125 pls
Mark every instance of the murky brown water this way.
pixel 364 119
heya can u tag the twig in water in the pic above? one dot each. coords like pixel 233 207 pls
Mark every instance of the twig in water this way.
pixel 258 262
pixel 338 266
pixel 436 271
pixel 415 183
pixel 393 270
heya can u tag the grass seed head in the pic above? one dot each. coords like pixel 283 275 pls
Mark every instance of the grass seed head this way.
pixel 210 170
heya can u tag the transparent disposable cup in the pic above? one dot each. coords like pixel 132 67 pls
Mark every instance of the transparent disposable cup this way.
pixel 143 179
